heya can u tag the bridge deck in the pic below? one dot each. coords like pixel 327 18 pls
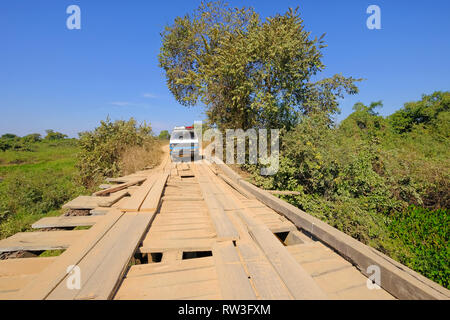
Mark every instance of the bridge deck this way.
pixel 186 232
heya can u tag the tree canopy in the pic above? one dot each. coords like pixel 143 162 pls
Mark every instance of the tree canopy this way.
pixel 52 135
pixel 248 72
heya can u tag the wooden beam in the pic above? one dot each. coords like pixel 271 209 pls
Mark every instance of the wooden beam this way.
pixel 63 222
pixel 233 279
pixel 284 193
pixel 41 241
pixel 153 198
pixel 138 197
pixel 119 187
pixel 104 266
pixel 297 280
pixel 46 281
pixel 24 266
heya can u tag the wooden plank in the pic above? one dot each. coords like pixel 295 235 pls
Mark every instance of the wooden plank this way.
pixel 297 280
pixel 41 241
pixel 233 279
pixel 171 256
pixel 153 198
pixel 184 234
pixel 48 279
pixel 92 202
pixel 224 227
pixel 284 193
pixel 175 266
pixel 183 197
pixel 112 198
pixel 119 187
pixel 99 211
pixel 126 179
pixel 188 290
pixel 64 221
pixel 104 266
pixel 235 186
pixel 265 279
pixel 24 266
pixel 9 286
pixel 136 200
pixel 397 279
pixel 157 245
pixel 82 202
pixel 105 186
pixel 182 227
pixel 150 285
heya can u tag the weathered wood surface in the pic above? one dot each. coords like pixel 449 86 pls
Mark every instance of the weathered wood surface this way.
pixel 92 202
pixel 183 213
pixel 40 241
pixel 119 187
pixel 64 222
pixel 135 201
pixel 397 279
pixel 46 281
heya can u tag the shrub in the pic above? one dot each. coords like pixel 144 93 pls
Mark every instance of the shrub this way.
pixel 103 150
pixel 425 233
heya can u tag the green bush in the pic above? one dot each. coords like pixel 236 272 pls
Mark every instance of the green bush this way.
pixel 362 175
pixel 102 149
pixel 425 233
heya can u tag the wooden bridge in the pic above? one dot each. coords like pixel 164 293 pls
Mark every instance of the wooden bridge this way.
pixel 195 231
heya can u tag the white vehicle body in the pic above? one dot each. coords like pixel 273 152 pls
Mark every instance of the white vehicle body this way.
pixel 183 143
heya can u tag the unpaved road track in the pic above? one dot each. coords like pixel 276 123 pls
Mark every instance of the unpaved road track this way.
pixel 183 231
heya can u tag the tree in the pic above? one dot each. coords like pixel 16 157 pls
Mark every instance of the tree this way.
pixel 433 111
pixel 52 135
pixel 248 72
pixel 164 135
pixel 9 136
pixel 34 137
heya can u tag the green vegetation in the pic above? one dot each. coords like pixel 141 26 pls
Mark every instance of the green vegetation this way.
pixel 425 233
pixel 37 176
pixel 114 148
pixel 248 72
pixel 35 183
pixel 164 135
pixel 360 176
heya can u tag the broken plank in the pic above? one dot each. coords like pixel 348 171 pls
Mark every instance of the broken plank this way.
pixel 41 241
pixel 112 198
pixel 66 221
pixel 92 202
pixel 138 197
pixel 47 280
pixel 119 187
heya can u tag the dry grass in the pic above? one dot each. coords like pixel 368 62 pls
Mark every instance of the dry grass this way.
pixel 138 157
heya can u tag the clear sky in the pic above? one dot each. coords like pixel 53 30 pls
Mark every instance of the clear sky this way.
pixel 69 80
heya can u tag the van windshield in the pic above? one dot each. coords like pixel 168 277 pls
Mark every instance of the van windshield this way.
pixel 180 135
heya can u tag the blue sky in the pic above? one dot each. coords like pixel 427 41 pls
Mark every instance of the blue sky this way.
pixel 69 80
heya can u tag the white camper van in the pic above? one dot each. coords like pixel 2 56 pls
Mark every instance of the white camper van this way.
pixel 183 143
